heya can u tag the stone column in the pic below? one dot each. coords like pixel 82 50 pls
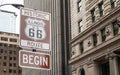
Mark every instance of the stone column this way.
pixel 118 3
pixel 88 20
pixel 97 13
pixel 107 6
pixel 113 62
pixel 99 37
pixel 93 68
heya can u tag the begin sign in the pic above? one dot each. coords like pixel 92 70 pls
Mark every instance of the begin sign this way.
pixel 34 60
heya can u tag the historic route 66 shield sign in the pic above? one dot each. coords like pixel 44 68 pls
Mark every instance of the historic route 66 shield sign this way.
pixel 35 29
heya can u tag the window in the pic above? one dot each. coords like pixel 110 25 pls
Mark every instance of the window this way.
pixel 4 39
pixel 5 45
pixel 95 39
pixel 10 64
pixel 93 15
pixel 5 51
pixel 10 70
pixel 13 40
pixel 10 51
pixel 101 9
pixel 81 47
pixel 115 27
pixel 0 57
pixel 80 26
pixel 113 3
pixel 10 58
pixel 15 46
pixel 79 5
pixel 20 71
pixel 14 71
pixel 14 52
pixel 119 62
pixel 1 50
pixel 10 45
pixel 103 35
pixel 14 64
pixel 0 44
pixel 4 63
pixel 82 72
pixel 5 57
pixel 14 58
pixel 105 68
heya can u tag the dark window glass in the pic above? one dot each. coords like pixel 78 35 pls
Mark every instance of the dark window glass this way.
pixel 1 50
pixel 0 57
pixel 95 39
pixel 5 51
pixel 15 46
pixel 79 5
pixel 0 44
pixel 105 68
pixel 81 47
pixel 93 15
pixel 10 58
pixel 113 3
pixel 82 72
pixel 14 58
pixel 119 62
pixel 4 39
pixel 103 34
pixel 5 57
pixel 4 63
pixel 5 45
pixel 13 40
pixel 14 64
pixel 10 45
pixel 14 52
pixel 115 27
pixel 10 51
pixel 80 26
pixel 10 70
pixel 101 9
pixel 20 71
pixel 14 71
pixel 10 64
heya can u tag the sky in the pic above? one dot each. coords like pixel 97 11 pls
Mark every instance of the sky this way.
pixel 12 9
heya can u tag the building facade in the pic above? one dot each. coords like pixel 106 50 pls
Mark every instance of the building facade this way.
pixel 7 21
pixel 9 52
pixel 95 37
pixel 59 41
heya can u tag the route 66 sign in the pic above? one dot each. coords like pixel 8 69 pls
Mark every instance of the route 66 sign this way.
pixel 35 29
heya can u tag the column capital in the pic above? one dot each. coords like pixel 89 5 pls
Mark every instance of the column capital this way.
pixel 111 55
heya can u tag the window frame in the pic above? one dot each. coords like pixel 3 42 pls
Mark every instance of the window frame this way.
pixel 103 36
pixel 115 29
pixel 82 71
pixel 95 41
pixel 79 5
pixel 101 8
pixel 80 26
pixel 113 3
pixel 93 15
pixel 81 47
